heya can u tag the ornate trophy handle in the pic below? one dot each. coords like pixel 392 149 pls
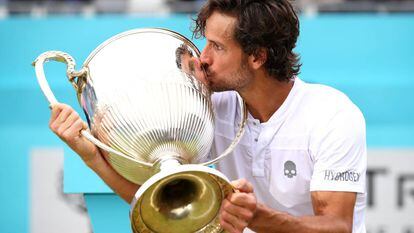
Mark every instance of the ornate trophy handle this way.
pixel 72 74
pixel 236 140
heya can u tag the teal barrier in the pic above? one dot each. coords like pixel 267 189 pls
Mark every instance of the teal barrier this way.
pixel 369 57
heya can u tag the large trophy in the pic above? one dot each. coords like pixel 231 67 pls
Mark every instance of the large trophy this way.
pixel 155 122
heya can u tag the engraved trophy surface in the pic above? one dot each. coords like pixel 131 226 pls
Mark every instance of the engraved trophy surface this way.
pixel 155 120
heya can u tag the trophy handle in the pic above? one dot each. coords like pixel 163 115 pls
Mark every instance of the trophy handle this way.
pixel 72 74
pixel 236 140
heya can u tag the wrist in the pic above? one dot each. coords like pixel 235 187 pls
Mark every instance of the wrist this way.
pixel 95 162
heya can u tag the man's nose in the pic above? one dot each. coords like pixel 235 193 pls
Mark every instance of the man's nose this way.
pixel 205 58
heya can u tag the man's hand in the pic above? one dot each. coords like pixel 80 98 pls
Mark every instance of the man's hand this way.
pixel 66 123
pixel 239 208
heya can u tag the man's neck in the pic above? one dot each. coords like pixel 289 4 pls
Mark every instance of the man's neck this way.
pixel 265 95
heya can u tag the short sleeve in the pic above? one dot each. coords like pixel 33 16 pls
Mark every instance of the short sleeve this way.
pixel 338 150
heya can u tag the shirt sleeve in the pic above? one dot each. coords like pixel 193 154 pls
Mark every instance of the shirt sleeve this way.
pixel 338 150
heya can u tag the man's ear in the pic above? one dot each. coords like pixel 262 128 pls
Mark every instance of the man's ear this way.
pixel 258 59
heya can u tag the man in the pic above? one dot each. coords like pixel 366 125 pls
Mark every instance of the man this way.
pixel 300 167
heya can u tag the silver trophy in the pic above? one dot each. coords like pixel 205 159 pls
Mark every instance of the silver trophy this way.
pixel 155 122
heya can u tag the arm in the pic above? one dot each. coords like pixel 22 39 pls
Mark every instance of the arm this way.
pixel 333 213
pixel 121 186
pixel 67 124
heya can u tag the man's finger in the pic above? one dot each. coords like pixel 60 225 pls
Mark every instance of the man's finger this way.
pixel 63 115
pixel 237 210
pixel 69 123
pixel 237 223
pixel 84 125
pixel 243 200
pixel 56 109
pixel 227 224
pixel 242 185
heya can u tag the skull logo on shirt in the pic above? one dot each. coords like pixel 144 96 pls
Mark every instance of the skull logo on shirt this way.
pixel 290 169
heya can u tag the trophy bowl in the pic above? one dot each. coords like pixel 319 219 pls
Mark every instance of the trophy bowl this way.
pixel 154 121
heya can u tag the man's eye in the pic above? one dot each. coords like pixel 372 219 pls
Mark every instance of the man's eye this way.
pixel 217 47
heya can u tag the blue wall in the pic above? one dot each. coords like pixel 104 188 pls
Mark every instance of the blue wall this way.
pixel 369 57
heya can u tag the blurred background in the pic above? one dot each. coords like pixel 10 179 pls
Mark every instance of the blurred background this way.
pixel 363 48
pixel 41 7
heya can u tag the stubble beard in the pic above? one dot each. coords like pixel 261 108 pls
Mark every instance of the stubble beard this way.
pixel 235 81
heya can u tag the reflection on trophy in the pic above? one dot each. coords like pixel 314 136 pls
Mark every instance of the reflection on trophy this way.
pixel 155 119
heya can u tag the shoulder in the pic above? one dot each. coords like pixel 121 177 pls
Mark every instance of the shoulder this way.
pixel 326 96
pixel 330 118
pixel 324 103
pixel 334 121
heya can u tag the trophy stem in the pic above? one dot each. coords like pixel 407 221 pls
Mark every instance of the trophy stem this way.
pixel 169 163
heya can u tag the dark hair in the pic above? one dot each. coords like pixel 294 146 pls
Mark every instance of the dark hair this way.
pixel 261 24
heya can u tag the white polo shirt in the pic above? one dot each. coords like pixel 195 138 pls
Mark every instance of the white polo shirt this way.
pixel 314 142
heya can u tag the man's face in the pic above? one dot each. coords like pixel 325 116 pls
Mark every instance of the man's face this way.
pixel 226 64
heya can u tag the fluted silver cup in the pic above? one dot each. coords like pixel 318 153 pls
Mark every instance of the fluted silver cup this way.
pixel 149 112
